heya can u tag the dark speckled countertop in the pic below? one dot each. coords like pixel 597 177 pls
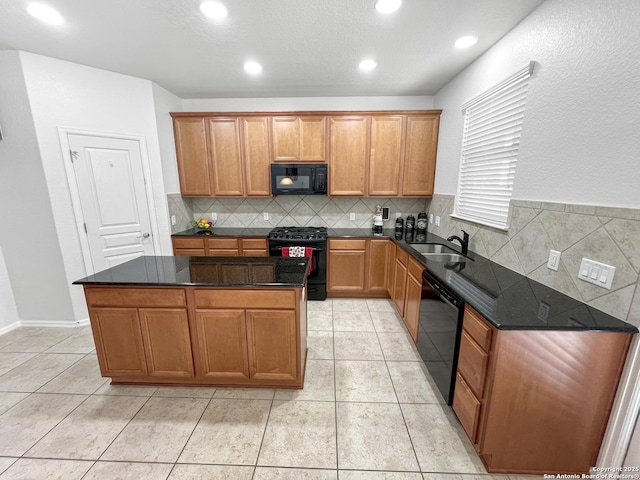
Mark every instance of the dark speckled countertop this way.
pixel 509 300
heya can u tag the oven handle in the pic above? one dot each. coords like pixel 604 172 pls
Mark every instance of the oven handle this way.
pixel 315 249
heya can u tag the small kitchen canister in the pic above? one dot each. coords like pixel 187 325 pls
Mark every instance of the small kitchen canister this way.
pixel 421 227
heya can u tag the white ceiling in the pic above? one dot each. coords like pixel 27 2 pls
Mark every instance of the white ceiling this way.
pixel 307 48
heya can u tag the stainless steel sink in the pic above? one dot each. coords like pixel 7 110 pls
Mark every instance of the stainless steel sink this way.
pixel 432 248
pixel 446 257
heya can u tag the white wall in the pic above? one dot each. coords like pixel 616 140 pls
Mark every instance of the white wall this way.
pixel 28 240
pixel 166 102
pixel 305 103
pixel 64 94
pixel 580 139
pixel 9 318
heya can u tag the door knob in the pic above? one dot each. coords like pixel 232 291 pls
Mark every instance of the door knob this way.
pixel 144 235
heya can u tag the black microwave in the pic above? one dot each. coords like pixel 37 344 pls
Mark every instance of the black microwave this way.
pixel 299 179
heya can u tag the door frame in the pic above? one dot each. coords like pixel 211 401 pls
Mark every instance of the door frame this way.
pixel 65 144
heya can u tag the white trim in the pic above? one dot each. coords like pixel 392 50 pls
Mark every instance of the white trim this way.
pixel 524 72
pixel 63 134
pixel 8 328
pixel 55 323
pixel 625 412
pixel 502 228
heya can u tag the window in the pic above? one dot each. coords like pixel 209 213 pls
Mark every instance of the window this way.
pixel 490 143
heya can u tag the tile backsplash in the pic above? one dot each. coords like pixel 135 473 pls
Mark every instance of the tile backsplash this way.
pixel 290 210
pixel 604 234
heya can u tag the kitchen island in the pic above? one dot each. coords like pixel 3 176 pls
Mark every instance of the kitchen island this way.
pixel 236 321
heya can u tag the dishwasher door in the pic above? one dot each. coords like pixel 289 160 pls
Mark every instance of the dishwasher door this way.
pixel 439 332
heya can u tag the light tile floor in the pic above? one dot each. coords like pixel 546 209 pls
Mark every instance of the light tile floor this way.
pixel 369 411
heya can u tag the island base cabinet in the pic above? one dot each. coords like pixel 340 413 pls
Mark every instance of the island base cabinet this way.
pixel 222 338
pixel 118 339
pixel 271 337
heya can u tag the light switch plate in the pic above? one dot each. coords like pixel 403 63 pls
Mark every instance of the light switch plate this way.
pixel 437 221
pixel 554 260
pixel 265 215
pixel 214 216
pixel 352 216
pixel 173 219
pixel 431 218
pixel 597 273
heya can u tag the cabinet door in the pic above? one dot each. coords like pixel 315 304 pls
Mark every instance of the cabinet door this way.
pixel 272 344
pixel 420 155
pixel 222 338
pixel 386 155
pixel 312 139
pixel 399 285
pixel 193 159
pixel 286 139
pixel 467 407
pixel 226 156
pixel 377 272
pixel 346 266
pixel 167 342
pixel 118 340
pixel 257 156
pixel 391 265
pixel 349 155
pixel 412 306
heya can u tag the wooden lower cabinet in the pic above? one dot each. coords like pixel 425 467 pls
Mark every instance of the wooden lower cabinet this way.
pixel 399 286
pixel 377 266
pixel 271 338
pixel 526 398
pixel 346 266
pixel 222 336
pixel 142 342
pixel 203 336
pixel 411 316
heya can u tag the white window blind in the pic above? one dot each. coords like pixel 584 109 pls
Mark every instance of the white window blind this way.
pixel 490 143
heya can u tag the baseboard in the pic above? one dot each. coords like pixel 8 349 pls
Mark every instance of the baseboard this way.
pixel 10 327
pixel 55 323
pixel 625 412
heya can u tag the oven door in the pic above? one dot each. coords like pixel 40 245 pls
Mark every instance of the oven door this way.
pixel 317 271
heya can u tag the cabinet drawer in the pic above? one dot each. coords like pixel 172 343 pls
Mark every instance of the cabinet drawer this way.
pixel 254 243
pixel 467 408
pixel 347 244
pixel 415 269
pixel 477 328
pixel 223 252
pixel 402 256
pixel 189 252
pixel 214 243
pixel 135 297
pixel 472 364
pixel 245 299
pixel 189 243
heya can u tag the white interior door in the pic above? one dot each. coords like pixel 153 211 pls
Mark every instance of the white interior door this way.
pixel 111 188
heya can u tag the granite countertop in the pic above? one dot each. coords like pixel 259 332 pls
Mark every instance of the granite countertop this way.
pixel 204 271
pixel 507 299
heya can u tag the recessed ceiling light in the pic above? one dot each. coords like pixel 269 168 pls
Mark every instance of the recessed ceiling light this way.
pixel 253 68
pixel 388 6
pixel 215 10
pixel 465 42
pixel 367 65
pixel 45 13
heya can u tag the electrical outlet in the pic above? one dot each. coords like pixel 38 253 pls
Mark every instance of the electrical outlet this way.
pixel 173 219
pixel 437 221
pixel 214 216
pixel 352 216
pixel 597 273
pixel 554 260
pixel 431 218
pixel 265 215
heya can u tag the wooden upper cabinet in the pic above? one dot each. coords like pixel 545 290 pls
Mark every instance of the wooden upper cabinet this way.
pixel 298 139
pixel 386 155
pixel 226 156
pixel 257 156
pixel 420 155
pixel 193 159
pixel 349 155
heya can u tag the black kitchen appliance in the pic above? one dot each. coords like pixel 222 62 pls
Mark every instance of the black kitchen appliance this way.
pixel 439 331
pixel 313 237
pixel 299 179
pixel 421 227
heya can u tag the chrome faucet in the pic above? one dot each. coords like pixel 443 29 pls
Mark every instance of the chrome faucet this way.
pixel 464 241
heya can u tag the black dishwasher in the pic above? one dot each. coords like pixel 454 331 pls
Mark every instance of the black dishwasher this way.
pixel 439 331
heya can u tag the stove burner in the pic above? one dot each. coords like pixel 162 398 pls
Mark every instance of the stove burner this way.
pixel 298 233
